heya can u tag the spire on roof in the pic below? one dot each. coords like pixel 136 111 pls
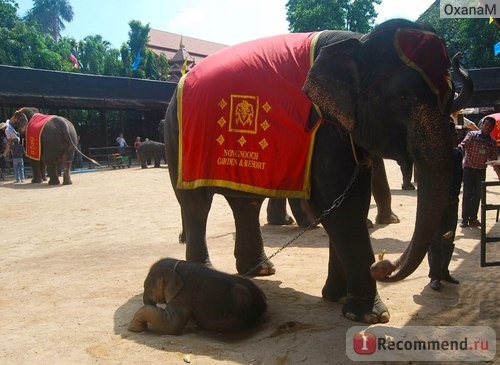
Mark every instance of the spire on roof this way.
pixel 181 45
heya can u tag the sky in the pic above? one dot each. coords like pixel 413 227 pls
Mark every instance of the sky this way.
pixel 221 21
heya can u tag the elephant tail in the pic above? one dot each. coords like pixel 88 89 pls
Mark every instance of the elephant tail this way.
pixel 68 134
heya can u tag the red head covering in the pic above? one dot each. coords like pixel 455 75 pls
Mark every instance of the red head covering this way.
pixel 426 53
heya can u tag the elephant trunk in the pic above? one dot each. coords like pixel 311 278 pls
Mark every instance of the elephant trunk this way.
pixel 467 85
pixel 433 160
pixel 433 157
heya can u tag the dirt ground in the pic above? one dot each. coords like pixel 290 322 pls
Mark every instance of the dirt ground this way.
pixel 74 259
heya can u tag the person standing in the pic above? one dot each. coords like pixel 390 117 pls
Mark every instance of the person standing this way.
pixel 18 153
pixel 3 147
pixel 478 147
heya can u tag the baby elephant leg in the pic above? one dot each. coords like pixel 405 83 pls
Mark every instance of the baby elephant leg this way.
pixel 169 321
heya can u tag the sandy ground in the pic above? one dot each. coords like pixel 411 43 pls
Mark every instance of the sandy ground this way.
pixel 74 259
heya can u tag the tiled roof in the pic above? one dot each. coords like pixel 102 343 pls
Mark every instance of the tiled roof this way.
pixel 169 43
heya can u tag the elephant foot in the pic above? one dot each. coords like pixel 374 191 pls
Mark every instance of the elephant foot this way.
pixel 369 223
pixel 408 186
pixel 366 311
pixel 54 182
pixel 281 221
pixel 386 218
pixel 36 181
pixel 304 223
pixel 263 269
pixel 67 182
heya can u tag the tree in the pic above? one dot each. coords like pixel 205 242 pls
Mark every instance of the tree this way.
pixel 138 37
pixel 50 15
pixel 92 52
pixel 315 15
pixel 8 13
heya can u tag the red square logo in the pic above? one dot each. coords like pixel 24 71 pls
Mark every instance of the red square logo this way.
pixel 365 343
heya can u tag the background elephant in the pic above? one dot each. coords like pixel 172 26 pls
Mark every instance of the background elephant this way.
pixel 151 150
pixel 387 93
pixel 277 214
pixel 58 143
pixel 214 300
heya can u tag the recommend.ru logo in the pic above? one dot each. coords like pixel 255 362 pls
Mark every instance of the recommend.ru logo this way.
pixel 421 343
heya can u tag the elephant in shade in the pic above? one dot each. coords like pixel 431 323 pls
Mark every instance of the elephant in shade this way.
pixel 151 150
pixel 277 214
pixel 216 301
pixel 58 144
pixel 387 93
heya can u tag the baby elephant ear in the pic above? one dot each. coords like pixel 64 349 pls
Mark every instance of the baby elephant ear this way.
pixel 333 81
pixel 242 298
pixel 173 284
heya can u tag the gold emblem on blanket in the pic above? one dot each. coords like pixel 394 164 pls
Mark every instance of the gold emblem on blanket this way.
pixel 244 114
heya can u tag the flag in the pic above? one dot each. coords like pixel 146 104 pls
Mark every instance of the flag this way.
pixel 184 67
pixel 73 57
pixel 137 60
pixel 496 48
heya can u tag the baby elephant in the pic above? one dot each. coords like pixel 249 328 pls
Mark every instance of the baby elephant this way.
pixel 214 300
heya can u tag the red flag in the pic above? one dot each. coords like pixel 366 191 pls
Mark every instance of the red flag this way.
pixel 73 57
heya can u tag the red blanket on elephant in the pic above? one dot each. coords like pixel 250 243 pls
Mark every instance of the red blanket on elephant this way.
pixel 243 116
pixel 33 135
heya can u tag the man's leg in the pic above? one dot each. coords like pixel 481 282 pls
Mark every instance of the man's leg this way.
pixel 468 181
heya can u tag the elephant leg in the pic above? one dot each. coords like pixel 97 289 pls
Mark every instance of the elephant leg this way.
pixel 351 251
pixel 382 193
pixel 276 212
pixel 249 246
pixel 66 172
pixel 301 212
pixel 195 206
pixel 407 172
pixel 144 165
pixel 53 175
pixel 36 168
pixel 336 283
pixel 169 321
pixel 157 162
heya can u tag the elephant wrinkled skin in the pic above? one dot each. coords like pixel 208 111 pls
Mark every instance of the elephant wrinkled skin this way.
pixel 373 104
pixel 214 300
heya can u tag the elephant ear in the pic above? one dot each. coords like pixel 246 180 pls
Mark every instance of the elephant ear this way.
pixel 333 81
pixel 173 284
pixel 241 299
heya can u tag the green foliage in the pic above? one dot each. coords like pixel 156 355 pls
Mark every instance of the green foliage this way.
pixel 8 13
pixel 48 16
pixel 475 38
pixel 34 41
pixel 315 15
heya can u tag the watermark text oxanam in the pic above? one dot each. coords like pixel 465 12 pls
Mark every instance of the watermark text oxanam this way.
pixel 469 8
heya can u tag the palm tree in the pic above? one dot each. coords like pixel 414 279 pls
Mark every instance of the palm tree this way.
pixel 50 16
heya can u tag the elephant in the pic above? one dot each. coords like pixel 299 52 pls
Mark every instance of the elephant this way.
pixel 387 93
pixel 58 141
pixel 151 150
pixel 216 301
pixel 277 215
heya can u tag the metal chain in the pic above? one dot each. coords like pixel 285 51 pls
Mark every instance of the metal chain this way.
pixel 336 203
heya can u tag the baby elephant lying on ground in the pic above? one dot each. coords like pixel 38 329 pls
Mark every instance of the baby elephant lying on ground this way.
pixel 214 300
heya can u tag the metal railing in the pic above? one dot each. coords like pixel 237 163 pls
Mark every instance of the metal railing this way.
pixel 484 208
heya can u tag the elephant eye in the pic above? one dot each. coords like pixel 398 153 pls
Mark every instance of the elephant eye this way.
pixel 403 97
